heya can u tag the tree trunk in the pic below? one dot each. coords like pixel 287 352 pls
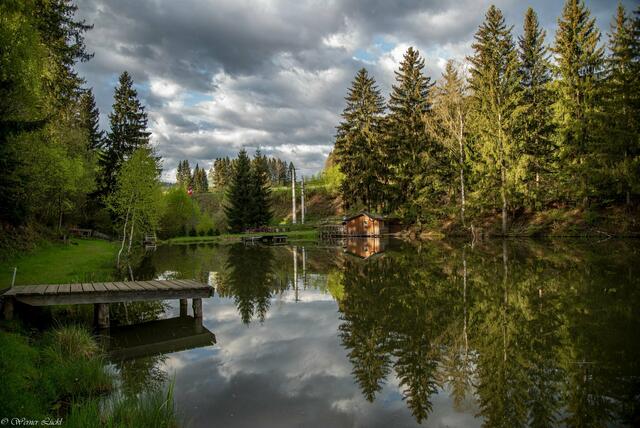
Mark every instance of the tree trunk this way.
pixel 124 232
pixel 460 141
pixel 133 222
pixel 504 200
pixel 60 217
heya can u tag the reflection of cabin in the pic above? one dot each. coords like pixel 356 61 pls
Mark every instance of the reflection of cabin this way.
pixel 365 247
pixel 365 224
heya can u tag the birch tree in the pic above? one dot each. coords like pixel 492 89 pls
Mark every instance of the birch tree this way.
pixel 137 197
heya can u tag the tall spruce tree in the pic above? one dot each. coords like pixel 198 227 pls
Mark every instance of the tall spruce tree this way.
pixel 536 129
pixel 407 140
pixel 579 61
pixel 90 117
pixel 623 108
pixel 260 214
pixel 358 143
pixel 239 194
pixel 448 126
pixel 128 132
pixel 495 86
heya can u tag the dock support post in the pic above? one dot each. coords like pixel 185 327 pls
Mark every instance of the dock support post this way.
pixel 183 307
pixel 197 308
pixel 101 315
pixel 7 308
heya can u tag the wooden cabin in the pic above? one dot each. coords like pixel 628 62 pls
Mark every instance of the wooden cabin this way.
pixel 365 224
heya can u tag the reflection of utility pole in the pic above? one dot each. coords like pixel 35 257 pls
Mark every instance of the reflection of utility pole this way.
pixel 304 268
pixel 302 201
pixel 295 271
pixel 293 194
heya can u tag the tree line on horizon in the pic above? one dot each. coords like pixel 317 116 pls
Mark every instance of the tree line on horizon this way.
pixel 523 126
pixel 222 170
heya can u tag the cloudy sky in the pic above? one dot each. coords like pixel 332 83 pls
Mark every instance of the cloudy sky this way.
pixel 218 75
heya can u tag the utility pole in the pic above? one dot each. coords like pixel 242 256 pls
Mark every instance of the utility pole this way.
pixel 302 200
pixel 293 194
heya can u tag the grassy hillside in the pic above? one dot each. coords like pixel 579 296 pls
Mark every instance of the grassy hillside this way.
pixel 321 204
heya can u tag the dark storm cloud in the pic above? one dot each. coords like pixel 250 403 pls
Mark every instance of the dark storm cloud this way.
pixel 223 74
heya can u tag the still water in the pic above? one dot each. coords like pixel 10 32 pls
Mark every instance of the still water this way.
pixel 386 334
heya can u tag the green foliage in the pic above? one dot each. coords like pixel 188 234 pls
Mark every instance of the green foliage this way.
pixel 137 197
pixel 579 60
pixel 248 194
pixel 536 129
pixel 183 175
pixel 408 149
pixel 128 133
pixel 495 84
pixel 358 149
pixel 180 213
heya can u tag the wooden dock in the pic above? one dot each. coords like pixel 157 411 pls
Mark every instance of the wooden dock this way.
pixel 101 294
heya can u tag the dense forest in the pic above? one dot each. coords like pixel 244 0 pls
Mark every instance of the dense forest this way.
pixel 519 127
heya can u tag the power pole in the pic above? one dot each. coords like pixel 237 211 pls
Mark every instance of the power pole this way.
pixel 293 195
pixel 302 200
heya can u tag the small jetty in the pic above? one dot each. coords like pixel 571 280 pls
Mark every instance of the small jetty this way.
pixel 100 294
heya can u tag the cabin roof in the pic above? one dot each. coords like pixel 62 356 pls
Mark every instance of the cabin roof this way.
pixel 366 213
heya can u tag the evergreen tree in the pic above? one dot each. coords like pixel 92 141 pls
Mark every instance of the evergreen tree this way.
pixel 448 126
pixel 239 194
pixel 407 141
pixel 90 117
pixel 536 128
pixel 578 62
pixel 495 86
pixel 63 35
pixel 196 179
pixel 260 192
pixel 358 143
pixel 623 107
pixel 128 132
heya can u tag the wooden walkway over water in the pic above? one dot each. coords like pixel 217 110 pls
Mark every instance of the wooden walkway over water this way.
pixel 101 294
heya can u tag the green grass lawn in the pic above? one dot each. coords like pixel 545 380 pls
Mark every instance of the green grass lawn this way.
pixel 81 260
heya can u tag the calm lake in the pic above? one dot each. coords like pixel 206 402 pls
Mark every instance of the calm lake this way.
pixel 374 333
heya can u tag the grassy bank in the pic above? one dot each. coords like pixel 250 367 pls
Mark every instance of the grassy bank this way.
pixel 55 263
pixel 294 235
pixel 61 374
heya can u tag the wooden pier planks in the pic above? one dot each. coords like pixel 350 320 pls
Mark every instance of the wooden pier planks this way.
pixel 108 292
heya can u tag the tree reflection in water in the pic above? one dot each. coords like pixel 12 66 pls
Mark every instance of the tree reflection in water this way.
pixel 537 334
pixel 249 279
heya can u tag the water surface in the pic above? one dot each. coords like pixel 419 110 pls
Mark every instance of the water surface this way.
pixel 387 334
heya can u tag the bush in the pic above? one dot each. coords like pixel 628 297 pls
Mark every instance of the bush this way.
pixel 216 232
pixel 193 232
pixel 210 232
pixel 201 232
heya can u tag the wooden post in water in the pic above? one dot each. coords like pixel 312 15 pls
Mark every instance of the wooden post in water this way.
pixel 183 307
pixel 101 315
pixel 197 308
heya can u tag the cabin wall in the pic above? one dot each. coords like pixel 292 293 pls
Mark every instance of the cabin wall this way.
pixel 365 226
